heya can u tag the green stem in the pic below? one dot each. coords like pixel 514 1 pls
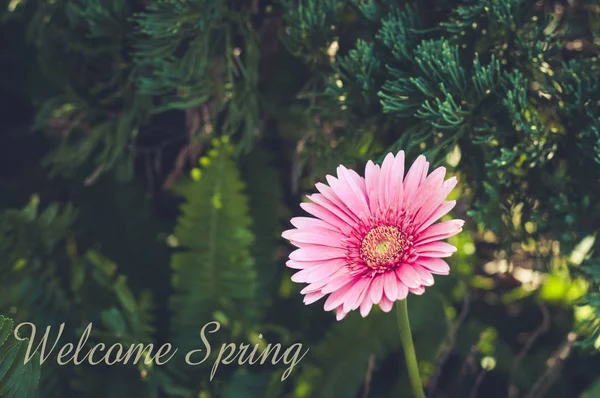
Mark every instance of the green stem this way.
pixel 409 349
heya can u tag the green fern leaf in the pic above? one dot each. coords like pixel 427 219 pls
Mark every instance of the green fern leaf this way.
pixel 265 197
pixel 214 271
pixel 17 378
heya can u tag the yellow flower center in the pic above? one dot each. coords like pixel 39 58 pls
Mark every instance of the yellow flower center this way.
pixel 383 246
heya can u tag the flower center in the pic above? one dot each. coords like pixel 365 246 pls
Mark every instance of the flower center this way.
pixel 383 246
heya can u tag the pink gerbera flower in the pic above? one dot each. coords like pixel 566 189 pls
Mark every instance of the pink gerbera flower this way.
pixel 373 239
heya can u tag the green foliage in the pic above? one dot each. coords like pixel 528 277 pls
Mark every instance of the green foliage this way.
pixel 32 249
pixel 130 95
pixel 211 54
pixel 358 69
pixel 310 25
pixel 213 269
pixel 17 378
pixel 265 199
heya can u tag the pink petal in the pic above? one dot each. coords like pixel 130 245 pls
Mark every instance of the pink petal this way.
pixel 310 264
pixel 418 291
pixel 428 188
pixel 315 286
pixel 297 264
pixel 390 284
pixel 385 177
pixel 309 222
pixel 321 200
pixel 435 249
pixel 424 274
pixel 441 211
pixel 402 291
pixel 434 199
pixel 385 304
pixel 324 272
pixel 336 298
pixel 372 175
pixel 408 276
pixel 440 231
pixel 437 246
pixel 313 297
pixel 435 254
pixel 365 307
pixel 413 179
pixel 340 314
pixel 341 272
pixel 359 200
pixel 435 265
pixel 352 298
pixel 315 274
pixel 337 283
pixel 326 215
pixel 393 174
pixel 347 195
pixel 317 253
pixel 316 236
pixel 334 197
pixel 376 290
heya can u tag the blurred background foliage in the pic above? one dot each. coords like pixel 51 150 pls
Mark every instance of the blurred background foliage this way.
pixel 152 151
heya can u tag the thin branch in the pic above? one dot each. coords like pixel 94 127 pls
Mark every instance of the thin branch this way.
pixel 297 162
pixel 470 363
pixel 539 331
pixel 94 176
pixel 555 364
pixel 369 376
pixel 477 384
pixel 149 176
pixel 196 119
pixel 448 346
pixel 180 162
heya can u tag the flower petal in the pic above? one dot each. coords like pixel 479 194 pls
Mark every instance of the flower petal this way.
pixel 321 200
pixel 385 304
pixel 418 290
pixel 402 291
pixel 441 211
pixel 310 222
pixel 340 314
pixel 372 175
pixel 360 202
pixel 317 253
pixel 337 283
pixel 365 307
pixel 434 200
pixel 326 215
pixel 413 179
pixel 435 265
pixel 376 290
pixel 435 249
pixel 313 297
pixel 439 231
pixel 429 188
pixel 352 300
pixel 424 274
pixel 333 197
pixel 315 236
pixel 386 175
pixel 390 285
pixel 408 276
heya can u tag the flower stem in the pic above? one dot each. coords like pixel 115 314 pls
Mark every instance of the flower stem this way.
pixel 409 349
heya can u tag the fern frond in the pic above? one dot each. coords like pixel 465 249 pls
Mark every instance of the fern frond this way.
pixel 309 24
pixel 17 378
pixel 265 198
pixel 213 268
